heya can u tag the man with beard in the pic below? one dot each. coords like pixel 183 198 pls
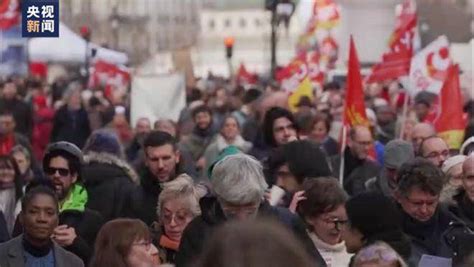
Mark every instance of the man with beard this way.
pixel 162 164
pixel 202 135
pixel 78 226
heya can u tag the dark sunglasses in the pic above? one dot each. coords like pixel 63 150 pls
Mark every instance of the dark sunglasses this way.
pixel 61 171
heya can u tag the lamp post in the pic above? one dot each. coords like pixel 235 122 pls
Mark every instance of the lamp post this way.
pixel 282 10
pixel 86 34
pixel 229 46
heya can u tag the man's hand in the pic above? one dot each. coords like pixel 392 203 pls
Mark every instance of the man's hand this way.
pixel 64 235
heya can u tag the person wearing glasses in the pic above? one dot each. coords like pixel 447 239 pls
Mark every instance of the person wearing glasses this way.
pixel 125 243
pixel 433 230
pixel 78 226
pixel 238 187
pixel 373 217
pixel 358 166
pixel 323 211
pixel 434 149
pixel 178 204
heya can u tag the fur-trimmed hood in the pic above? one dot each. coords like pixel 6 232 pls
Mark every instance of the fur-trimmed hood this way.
pixel 106 158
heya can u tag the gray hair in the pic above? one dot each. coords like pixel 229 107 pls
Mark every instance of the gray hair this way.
pixel 21 149
pixel 238 179
pixel 182 187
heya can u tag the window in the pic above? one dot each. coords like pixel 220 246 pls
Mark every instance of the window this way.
pixel 227 23
pixel 242 23
pixel 211 24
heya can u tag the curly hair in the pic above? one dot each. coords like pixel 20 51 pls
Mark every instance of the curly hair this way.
pixel 422 174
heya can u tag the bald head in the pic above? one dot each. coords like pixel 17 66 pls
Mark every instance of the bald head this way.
pixel 468 176
pixel 360 141
pixel 421 131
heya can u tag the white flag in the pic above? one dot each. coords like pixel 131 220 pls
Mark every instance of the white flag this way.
pixel 429 67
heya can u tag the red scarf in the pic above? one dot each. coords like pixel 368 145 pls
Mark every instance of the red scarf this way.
pixel 6 144
pixel 168 243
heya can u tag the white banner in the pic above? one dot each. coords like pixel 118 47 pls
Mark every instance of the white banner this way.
pixel 429 67
pixel 158 97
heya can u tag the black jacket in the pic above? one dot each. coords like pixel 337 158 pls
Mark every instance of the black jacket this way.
pixel 22 114
pixel 71 126
pixel 87 224
pixel 201 228
pixel 106 177
pixel 439 236
pixel 145 197
pixel 4 235
pixel 356 172
pixel 463 208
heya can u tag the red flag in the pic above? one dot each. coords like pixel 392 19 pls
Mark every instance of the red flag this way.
pixel 245 77
pixel 109 75
pixel 396 62
pixel 354 107
pixel 450 123
pixel 39 69
pixel 9 13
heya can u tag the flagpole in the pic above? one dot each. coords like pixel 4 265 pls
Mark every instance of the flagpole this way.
pixel 404 113
pixel 343 148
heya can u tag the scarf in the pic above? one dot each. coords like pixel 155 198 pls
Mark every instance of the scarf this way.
pixel 76 199
pixel 37 251
pixel 165 242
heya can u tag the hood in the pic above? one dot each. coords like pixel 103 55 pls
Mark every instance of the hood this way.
pixel 109 159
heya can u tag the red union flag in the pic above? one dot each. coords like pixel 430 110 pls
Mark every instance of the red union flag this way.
pixel 245 77
pixel 449 122
pixel 327 13
pixel 354 105
pixel 396 62
pixel 429 68
pixel 109 75
pixel 295 79
pixel 9 13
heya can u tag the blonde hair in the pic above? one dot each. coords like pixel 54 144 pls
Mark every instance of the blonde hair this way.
pixel 182 187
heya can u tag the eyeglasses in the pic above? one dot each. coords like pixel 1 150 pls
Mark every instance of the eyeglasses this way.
pixel 339 224
pixel 437 154
pixel 179 217
pixel 61 171
pixel 145 244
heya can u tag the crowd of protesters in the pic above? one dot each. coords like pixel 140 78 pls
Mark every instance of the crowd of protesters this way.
pixel 238 180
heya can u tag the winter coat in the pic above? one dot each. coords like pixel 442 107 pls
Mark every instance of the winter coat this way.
pixel 202 227
pixel 110 184
pixel 4 235
pixel 12 255
pixel 197 142
pixel 463 208
pixel 438 236
pixel 71 126
pixel 356 172
pixel 145 197
pixel 22 114
pixel 86 223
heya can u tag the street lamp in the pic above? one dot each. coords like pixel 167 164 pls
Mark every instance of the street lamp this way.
pixel 281 11
pixel 86 34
